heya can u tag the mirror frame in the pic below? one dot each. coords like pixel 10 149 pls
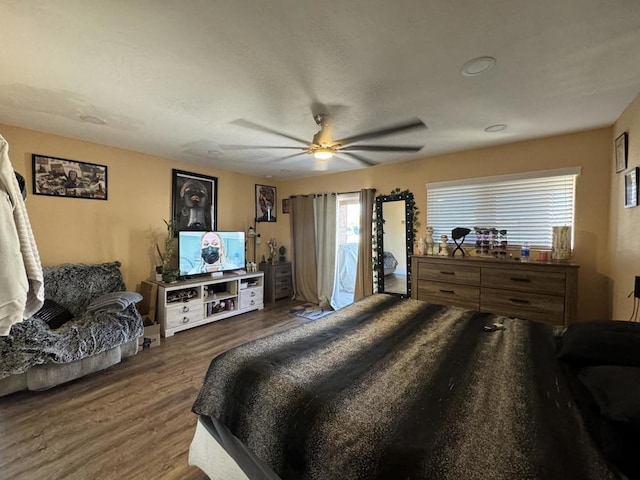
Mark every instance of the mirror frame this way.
pixel 409 202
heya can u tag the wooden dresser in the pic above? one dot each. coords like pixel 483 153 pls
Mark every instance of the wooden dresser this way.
pixel 278 281
pixel 541 291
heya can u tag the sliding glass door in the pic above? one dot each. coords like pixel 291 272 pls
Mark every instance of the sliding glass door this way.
pixel 347 235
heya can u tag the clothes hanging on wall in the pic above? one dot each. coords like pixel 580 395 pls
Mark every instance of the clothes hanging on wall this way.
pixel 21 279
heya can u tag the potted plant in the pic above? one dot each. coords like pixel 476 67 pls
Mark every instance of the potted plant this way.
pixel 169 273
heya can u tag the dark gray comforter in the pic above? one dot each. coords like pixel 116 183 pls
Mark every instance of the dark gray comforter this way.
pixel 402 389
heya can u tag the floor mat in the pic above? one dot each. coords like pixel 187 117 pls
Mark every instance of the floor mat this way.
pixel 310 311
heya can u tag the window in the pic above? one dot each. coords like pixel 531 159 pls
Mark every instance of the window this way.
pixel 526 205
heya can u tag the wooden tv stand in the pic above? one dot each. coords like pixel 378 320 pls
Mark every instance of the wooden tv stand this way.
pixel 191 303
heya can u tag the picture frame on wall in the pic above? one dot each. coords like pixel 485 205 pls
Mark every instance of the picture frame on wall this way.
pixel 194 199
pixel 286 205
pixel 265 203
pixel 621 152
pixel 631 188
pixel 60 177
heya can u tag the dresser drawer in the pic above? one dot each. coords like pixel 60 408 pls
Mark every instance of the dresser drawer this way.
pixel 283 272
pixel 283 291
pixel 467 274
pixel 525 280
pixel 525 305
pixel 251 297
pixel 465 296
pixel 183 315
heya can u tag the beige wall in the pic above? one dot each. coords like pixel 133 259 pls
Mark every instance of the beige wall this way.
pixel 127 226
pixel 624 226
pixel 590 150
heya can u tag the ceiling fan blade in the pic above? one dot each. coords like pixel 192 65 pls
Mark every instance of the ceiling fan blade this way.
pixel 356 159
pixel 258 147
pixel 403 127
pixel 288 157
pixel 381 148
pixel 254 126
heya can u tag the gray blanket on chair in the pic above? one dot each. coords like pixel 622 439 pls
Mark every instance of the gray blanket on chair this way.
pixel 73 286
pixel 403 389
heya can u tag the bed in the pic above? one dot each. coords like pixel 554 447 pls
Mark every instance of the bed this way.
pixel 398 388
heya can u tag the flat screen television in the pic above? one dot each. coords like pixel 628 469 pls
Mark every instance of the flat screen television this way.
pixel 203 253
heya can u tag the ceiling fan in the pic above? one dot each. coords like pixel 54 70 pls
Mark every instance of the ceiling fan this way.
pixel 323 146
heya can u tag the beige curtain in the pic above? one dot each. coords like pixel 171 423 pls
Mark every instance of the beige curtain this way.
pixel 303 249
pixel 325 220
pixel 364 272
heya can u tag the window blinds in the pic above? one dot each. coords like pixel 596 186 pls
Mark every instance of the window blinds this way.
pixel 526 205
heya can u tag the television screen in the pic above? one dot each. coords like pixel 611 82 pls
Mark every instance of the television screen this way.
pixel 207 252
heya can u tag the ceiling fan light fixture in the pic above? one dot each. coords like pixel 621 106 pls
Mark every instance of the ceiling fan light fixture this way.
pixel 323 153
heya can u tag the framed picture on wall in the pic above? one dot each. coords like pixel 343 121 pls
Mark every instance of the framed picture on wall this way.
pixel 60 177
pixel 631 188
pixel 265 203
pixel 621 152
pixel 286 206
pixel 194 201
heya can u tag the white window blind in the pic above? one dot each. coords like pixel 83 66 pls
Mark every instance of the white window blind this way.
pixel 526 205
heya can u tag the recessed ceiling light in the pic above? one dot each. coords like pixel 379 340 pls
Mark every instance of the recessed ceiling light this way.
pixel 92 119
pixel 495 128
pixel 268 176
pixel 478 65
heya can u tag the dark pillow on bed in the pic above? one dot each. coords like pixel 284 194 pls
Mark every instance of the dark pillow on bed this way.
pixel 608 342
pixel 616 390
pixel 53 314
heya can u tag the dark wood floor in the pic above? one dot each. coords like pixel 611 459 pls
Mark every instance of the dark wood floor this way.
pixel 395 283
pixel 131 421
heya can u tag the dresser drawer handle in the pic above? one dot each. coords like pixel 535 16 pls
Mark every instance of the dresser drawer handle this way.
pixel 253 294
pixel 447 291
pixel 185 320
pixel 447 273
pixel 520 279
pixel 519 300
pixel 253 302
pixel 185 309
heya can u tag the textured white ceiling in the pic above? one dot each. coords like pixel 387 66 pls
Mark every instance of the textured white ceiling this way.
pixel 172 78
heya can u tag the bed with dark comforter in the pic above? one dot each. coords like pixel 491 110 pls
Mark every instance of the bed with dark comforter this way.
pixel 393 388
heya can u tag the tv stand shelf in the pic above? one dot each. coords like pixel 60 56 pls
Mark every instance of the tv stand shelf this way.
pixel 194 302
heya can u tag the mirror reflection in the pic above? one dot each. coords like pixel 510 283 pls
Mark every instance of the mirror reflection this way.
pixel 394 241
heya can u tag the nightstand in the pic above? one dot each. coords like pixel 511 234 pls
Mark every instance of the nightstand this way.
pixel 278 282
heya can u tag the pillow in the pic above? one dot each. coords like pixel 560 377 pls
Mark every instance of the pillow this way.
pixel 114 301
pixel 607 342
pixel 53 314
pixel 616 390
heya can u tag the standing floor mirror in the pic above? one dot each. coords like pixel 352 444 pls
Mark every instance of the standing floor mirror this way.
pixel 394 239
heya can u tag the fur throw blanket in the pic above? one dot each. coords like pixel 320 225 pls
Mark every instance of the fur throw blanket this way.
pixel 73 286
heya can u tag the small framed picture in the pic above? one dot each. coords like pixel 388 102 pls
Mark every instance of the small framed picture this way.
pixel 631 188
pixel 265 203
pixel 194 201
pixel 60 177
pixel 621 152
pixel 285 205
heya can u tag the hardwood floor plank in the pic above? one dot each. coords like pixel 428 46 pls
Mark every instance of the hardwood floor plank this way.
pixel 131 421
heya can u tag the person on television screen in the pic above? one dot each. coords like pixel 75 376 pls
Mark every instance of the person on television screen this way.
pixel 213 258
